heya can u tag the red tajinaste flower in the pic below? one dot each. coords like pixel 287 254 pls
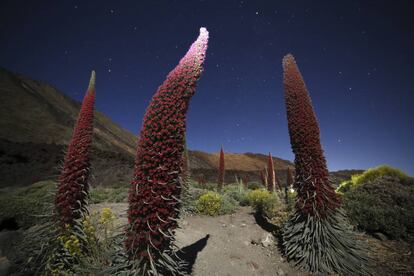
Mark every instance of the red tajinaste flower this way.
pixel 317 236
pixel 72 190
pixel 154 196
pixel 315 194
pixel 271 181
pixel 221 170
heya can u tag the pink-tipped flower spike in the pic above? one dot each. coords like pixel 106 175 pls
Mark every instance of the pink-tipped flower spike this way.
pixel 154 195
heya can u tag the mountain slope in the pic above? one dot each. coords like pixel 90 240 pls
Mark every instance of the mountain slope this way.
pixel 36 123
pixel 31 111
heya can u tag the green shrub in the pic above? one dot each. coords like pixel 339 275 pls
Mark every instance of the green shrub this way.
pixel 228 205
pixel 264 202
pixel 29 205
pixel 209 203
pixel 371 175
pixel 207 186
pixel 345 186
pixel 255 186
pixel 236 192
pixel 190 198
pixel 385 204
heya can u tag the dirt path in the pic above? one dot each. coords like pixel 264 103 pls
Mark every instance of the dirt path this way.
pixel 225 245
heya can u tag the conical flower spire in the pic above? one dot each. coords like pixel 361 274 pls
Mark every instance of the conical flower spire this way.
pixel 318 236
pixel 271 182
pixel 221 170
pixel 315 194
pixel 154 196
pixel 72 190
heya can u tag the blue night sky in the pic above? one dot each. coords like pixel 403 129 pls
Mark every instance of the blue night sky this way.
pixel 355 56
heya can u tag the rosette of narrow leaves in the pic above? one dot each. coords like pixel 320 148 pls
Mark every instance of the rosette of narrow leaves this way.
pixel 154 196
pixel 318 236
pixel 271 181
pixel 221 170
pixel 72 189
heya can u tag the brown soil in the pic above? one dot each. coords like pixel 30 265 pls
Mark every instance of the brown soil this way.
pixel 232 245
pixel 224 245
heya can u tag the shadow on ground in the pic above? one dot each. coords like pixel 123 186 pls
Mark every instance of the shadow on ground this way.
pixel 265 224
pixel 190 252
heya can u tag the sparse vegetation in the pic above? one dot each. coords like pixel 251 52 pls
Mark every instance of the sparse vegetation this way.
pixel 108 194
pixel 28 205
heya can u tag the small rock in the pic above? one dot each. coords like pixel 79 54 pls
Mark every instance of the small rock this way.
pixel 255 241
pixel 243 225
pixel 380 236
pixel 223 225
pixel 267 240
pixel 280 272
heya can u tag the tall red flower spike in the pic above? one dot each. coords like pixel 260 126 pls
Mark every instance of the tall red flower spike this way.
pixel 265 178
pixel 186 164
pixel 154 195
pixel 315 194
pixel 221 170
pixel 72 190
pixel 271 182
pixel 317 236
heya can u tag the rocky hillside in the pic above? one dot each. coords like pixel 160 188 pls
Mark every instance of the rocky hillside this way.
pixel 36 122
pixel 31 111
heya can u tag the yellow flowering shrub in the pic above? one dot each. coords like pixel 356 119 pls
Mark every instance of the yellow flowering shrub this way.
pixel 209 203
pixel 71 244
pixel 107 217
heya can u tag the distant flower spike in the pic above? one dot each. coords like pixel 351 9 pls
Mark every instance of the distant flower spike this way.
pixel 221 170
pixel 72 190
pixel 271 182
pixel 153 205
pixel 318 236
